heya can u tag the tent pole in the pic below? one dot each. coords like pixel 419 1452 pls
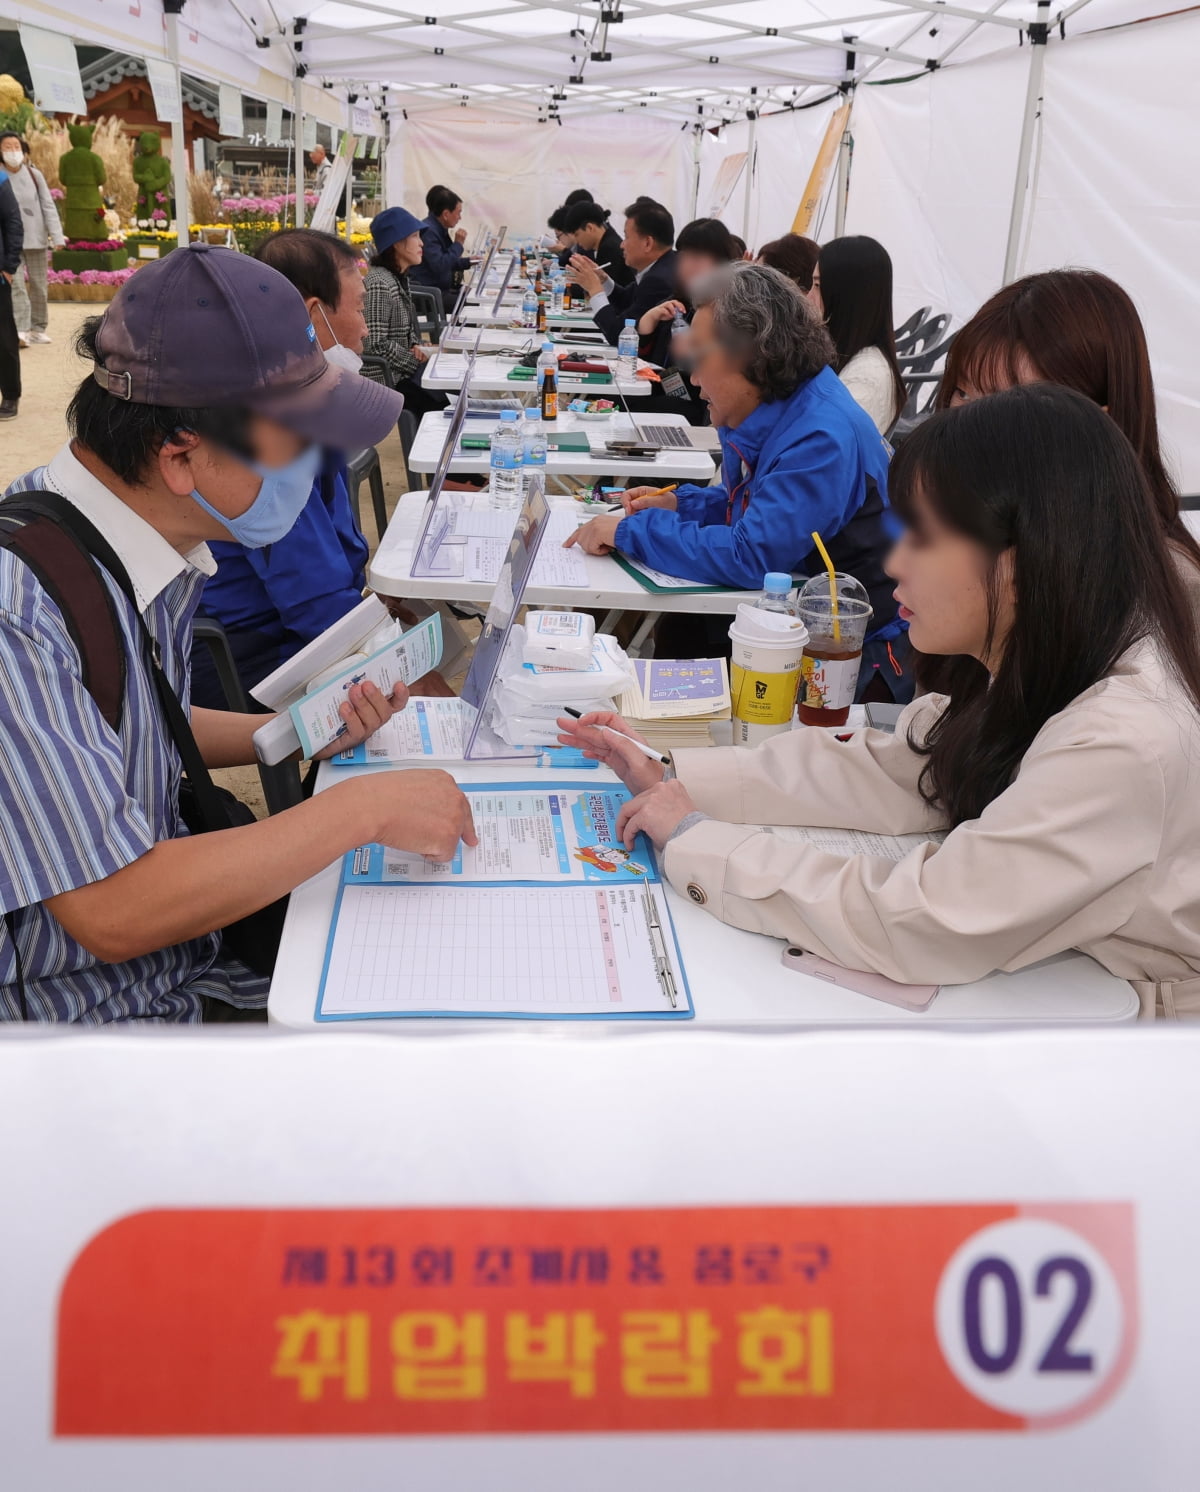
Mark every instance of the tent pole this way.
pixel 695 171
pixel 1039 32
pixel 749 169
pixel 179 154
pixel 298 142
pixel 348 206
pixel 843 173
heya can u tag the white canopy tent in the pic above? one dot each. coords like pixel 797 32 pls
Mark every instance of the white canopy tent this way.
pixel 986 137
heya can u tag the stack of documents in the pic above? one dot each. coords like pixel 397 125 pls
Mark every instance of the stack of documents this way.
pixel 673 702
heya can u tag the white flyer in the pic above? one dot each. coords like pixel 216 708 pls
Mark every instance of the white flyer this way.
pixel 316 717
pixel 429 729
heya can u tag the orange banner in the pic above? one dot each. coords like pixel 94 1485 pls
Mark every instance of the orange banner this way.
pixel 489 1320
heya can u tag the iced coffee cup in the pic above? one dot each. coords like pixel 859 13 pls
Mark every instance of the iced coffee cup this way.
pixel 837 627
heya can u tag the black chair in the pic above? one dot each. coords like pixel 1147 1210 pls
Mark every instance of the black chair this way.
pixel 366 465
pixel 431 312
pixel 927 337
pixel 908 330
pixel 407 425
pixel 281 783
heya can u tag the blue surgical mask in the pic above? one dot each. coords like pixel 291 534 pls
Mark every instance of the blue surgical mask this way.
pixel 280 500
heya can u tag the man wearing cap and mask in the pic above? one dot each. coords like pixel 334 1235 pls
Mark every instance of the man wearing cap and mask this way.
pixel 201 420
pixel 274 600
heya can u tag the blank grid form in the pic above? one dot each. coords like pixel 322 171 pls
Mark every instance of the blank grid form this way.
pixel 505 950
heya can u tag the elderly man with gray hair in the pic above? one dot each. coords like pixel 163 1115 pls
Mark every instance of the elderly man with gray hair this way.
pixel 798 456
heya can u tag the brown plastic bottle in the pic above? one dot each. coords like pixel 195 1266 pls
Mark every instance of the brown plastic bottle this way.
pixel 550 395
pixel 821 651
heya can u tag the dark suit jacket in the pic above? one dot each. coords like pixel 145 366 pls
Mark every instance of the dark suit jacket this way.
pixel 659 283
pixel 442 257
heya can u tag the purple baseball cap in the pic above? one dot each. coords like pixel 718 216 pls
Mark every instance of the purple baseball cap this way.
pixel 205 328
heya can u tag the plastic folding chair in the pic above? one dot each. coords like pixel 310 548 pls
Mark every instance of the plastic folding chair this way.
pixel 926 337
pixel 366 465
pixel 908 330
pixel 431 312
pixel 281 783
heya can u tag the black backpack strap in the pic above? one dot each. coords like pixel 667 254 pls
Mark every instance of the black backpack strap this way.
pixel 211 812
pixel 68 574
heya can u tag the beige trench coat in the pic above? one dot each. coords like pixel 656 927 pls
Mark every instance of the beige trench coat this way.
pixel 1095 846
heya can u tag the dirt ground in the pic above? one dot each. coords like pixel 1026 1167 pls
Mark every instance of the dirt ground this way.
pixel 49 375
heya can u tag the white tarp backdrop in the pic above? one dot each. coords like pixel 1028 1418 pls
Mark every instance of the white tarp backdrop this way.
pixel 516 172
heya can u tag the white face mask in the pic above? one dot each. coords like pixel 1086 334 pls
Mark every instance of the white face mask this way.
pixel 13 159
pixel 339 356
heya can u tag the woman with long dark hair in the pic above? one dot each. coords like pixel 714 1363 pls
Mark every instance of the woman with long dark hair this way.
pixel 1078 328
pixel 852 292
pixel 1062 764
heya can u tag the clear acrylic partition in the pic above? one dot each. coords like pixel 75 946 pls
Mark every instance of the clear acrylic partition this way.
pixel 482 741
pixel 438 521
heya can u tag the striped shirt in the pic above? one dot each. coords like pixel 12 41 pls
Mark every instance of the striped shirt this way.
pixel 79 801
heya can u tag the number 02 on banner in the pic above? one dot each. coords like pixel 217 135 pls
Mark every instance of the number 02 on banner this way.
pixel 590 1320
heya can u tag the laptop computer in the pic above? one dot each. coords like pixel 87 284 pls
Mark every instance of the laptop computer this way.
pixel 671 437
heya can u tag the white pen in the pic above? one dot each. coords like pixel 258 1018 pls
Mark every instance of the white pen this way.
pixel 641 745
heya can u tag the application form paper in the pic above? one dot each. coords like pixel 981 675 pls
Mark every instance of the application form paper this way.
pixel 487 535
pixel 402 660
pixel 543 836
pixel 548 918
pixel 428 729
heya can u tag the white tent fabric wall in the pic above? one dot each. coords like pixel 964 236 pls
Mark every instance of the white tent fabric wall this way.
pixel 785 147
pixel 932 179
pixel 933 171
pixel 1117 192
pixel 517 172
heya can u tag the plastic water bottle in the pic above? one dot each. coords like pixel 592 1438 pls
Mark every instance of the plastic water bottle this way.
pixel 507 482
pixel 529 307
pixel 558 289
pixel 680 324
pixel 777 594
pixel 547 359
pixel 536 446
pixel 627 351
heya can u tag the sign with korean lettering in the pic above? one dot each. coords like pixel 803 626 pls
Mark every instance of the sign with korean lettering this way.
pixel 489 1320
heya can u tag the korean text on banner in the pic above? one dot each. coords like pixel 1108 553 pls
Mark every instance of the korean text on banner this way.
pixel 258 1322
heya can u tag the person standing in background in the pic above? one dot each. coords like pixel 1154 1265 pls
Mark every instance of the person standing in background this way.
pixel 320 165
pixel 43 231
pixel 852 293
pixel 11 238
pixel 443 254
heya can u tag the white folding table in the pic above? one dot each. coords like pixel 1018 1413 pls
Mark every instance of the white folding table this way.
pixel 446 369
pixel 675 463
pixel 609 587
pixel 736 978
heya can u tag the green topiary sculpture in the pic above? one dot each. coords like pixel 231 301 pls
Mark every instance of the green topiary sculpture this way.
pixel 152 172
pixel 81 172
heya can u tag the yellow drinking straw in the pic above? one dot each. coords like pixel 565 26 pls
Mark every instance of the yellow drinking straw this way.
pixel 833 595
